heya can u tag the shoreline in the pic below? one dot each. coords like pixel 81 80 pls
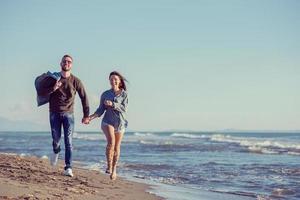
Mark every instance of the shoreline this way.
pixel 33 178
pixel 226 168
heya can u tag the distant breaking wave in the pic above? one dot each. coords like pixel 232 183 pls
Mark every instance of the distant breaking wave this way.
pixel 188 135
pixel 88 136
pixel 142 134
pixel 261 145
pixel 156 142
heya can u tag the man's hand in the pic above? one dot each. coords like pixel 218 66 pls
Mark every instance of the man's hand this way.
pixel 85 120
pixel 57 85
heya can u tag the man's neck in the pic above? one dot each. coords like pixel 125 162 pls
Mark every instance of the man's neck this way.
pixel 65 74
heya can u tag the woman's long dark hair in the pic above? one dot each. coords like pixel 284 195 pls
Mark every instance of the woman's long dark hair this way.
pixel 122 79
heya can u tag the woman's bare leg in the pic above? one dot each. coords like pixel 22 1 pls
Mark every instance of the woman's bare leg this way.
pixel 110 138
pixel 117 152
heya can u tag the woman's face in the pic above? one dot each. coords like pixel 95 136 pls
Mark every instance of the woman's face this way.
pixel 115 81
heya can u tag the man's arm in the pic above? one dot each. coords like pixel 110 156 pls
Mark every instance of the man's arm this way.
pixel 84 99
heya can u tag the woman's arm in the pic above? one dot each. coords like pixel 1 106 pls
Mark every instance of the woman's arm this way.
pixel 121 107
pixel 93 116
pixel 100 110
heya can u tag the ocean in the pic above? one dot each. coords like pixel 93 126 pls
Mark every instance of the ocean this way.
pixel 187 165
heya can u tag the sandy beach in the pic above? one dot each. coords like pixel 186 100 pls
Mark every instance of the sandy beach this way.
pixel 33 178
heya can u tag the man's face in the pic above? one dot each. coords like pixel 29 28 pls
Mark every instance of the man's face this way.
pixel 66 64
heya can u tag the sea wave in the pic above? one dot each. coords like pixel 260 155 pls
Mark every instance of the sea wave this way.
pixel 261 145
pixel 282 192
pixel 256 149
pixel 9 154
pixel 164 180
pixel 24 154
pixel 45 157
pixel 239 193
pixel 150 142
pixel 188 135
pixel 148 167
pixel 89 136
pixel 142 134
pixel 294 153
pixel 94 166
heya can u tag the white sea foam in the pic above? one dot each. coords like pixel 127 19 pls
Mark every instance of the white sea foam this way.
pixel 165 180
pixel 294 153
pixel 44 157
pixel 257 149
pixel 268 151
pixel 171 189
pixel 9 154
pixel 24 154
pixel 90 136
pixel 280 192
pixel 188 135
pixel 95 166
pixel 98 166
pixel 142 134
pixel 147 142
pixel 168 142
pixel 151 142
pixel 257 144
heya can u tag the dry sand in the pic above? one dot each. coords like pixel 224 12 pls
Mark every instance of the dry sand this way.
pixel 33 178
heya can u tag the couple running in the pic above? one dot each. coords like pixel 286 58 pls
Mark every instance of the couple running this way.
pixel 113 103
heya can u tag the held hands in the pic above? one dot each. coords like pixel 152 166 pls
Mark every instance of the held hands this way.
pixel 86 120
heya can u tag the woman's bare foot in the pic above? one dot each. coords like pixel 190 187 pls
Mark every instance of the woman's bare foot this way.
pixel 113 175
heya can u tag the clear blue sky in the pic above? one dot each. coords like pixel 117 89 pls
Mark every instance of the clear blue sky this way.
pixel 192 65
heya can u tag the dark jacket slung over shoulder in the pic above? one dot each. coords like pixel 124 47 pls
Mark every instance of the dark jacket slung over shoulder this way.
pixel 62 99
pixel 44 84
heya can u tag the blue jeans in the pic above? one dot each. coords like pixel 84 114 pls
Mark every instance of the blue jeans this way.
pixel 65 120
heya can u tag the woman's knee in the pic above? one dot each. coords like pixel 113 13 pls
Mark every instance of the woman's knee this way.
pixel 117 148
pixel 110 145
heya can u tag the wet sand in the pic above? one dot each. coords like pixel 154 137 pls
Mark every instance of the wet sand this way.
pixel 33 178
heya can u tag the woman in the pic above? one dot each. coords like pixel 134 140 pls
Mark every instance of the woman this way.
pixel 114 103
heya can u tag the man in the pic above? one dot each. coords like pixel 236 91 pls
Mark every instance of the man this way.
pixel 61 107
